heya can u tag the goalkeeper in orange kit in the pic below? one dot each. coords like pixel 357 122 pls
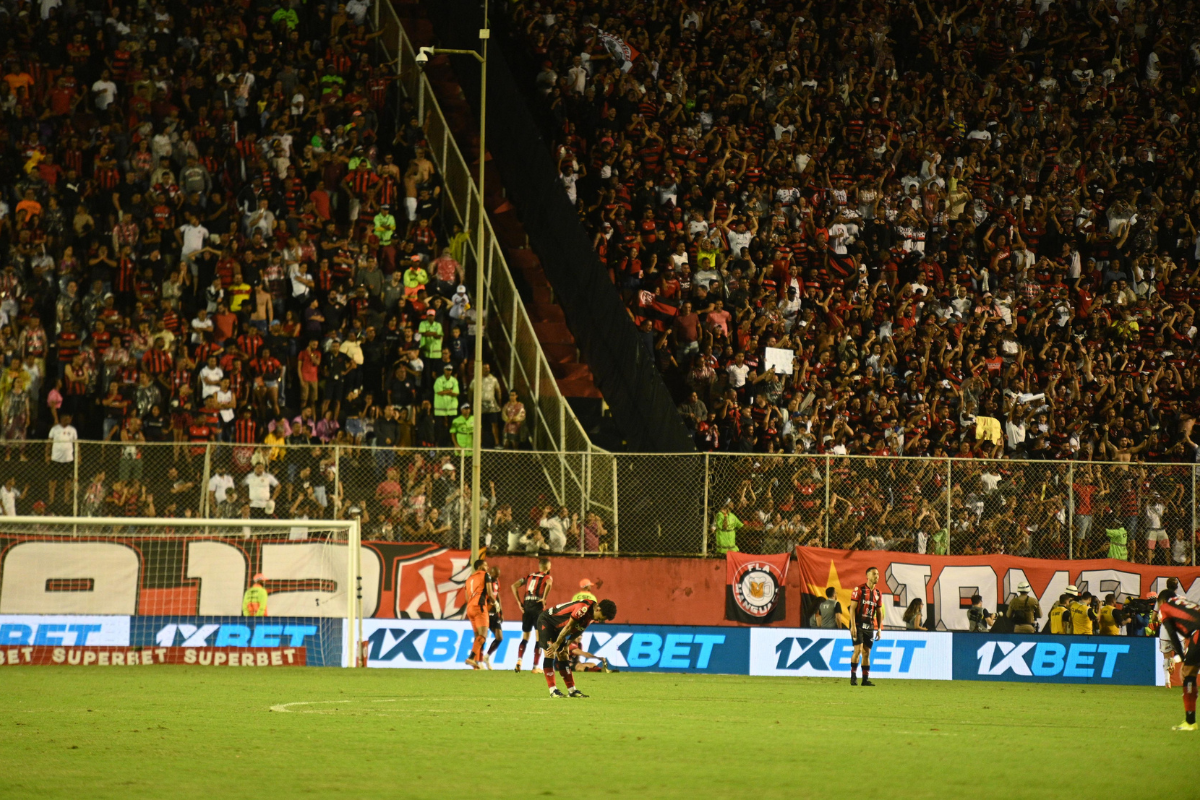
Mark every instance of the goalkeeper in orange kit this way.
pixel 480 601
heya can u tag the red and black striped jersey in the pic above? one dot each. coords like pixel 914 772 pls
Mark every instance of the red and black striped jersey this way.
pixel 535 587
pixel 581 612
pixel 867 602
pixel 245 431
pixel 1181 618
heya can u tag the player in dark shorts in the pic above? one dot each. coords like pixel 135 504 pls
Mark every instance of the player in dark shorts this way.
pixel 537 589
pixel 866 611
pixel 1181 619
pixel 495 617
pixel 558 627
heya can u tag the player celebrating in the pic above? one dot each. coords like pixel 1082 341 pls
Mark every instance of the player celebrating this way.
pixel 558 627
pixel 866 609
pixel 479 603
pixel 1181 618
pixel 537 589
pixel 496 616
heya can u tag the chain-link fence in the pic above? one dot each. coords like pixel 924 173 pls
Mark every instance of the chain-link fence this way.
pixel 603 503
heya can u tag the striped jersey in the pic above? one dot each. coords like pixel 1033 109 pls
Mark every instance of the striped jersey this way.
pixel 867 602
pixel 581 612
pixel 535 586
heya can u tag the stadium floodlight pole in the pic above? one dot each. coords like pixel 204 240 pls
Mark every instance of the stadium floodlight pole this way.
pixel 477 373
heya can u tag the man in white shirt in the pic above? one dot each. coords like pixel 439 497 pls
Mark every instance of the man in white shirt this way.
pixel 201 325
pixel 218 485
pixel 9 495
pixel 577 76
pixel 737 372
pixel 225 401
pixel 210 378
pixel 104 91
pixel 263 487
pixel 556 529
pixel 191 237
pixel 62 456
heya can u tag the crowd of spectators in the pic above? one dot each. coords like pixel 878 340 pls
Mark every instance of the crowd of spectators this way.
pixel 218 223
pixel 970 227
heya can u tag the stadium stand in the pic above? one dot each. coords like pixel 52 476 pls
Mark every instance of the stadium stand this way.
pixel 972 227
pixel 193 194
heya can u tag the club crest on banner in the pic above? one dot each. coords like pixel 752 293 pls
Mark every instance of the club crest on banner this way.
pixel 755 587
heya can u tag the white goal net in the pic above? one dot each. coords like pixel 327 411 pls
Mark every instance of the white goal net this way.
pixel 185 582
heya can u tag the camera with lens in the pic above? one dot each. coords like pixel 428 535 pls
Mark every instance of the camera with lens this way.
pixel 1138 605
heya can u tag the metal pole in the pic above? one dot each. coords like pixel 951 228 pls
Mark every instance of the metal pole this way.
pixel 512 347
pixel 205 476
pixel 75 485
pixel 462 518
pixel 583 501
pixel 704 529
pixel 949 499
pixel 1070 509
pixel 562 456
pixel 477 401
pixel 616 514
pixel 351 574
pixel 828 510
pixel 337 477
pixel 421 102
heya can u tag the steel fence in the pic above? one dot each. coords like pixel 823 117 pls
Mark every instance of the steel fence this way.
pixel 598 503
pixel 509 332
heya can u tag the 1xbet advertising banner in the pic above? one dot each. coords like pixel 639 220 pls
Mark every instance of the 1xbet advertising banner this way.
pixel 63 631
pixel 818 653
pixel 946 583
pixel 1056 659
pixel 320 638
pixel 639 648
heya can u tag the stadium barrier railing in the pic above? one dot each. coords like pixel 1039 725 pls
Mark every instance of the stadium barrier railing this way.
pixel 633 504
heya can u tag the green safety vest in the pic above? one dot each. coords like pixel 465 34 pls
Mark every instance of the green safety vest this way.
pixel 254 602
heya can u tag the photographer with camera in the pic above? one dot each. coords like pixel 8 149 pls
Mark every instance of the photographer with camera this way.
pixel 1024 610
pixel 1083 612
pixel 1136 613
pixel 978 617
pixel 1110 617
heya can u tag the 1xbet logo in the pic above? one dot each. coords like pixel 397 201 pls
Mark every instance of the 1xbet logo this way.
pixel 1049 659
pixel 797 653
pixel 184 635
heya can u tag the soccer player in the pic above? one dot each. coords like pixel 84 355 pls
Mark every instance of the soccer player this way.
pixel 561 625
pixel 479 603
pixel 537 589
pixel 496 617
pixel 866 609
pixel 1181 618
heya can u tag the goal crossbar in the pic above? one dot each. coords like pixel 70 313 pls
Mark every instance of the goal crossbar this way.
pixel 52 525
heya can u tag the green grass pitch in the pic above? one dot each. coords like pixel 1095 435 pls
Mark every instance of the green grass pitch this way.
pixel 183 732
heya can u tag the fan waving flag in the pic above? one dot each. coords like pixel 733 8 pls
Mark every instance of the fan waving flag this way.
pixel 754 587
pixel 623 53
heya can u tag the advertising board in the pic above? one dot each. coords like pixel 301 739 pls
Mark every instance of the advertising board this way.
pixel 1057 659
pixel 817 653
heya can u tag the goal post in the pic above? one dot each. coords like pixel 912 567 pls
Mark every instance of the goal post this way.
pixel 181 581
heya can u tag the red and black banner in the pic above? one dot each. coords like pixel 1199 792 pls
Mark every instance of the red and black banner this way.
pixel 755 588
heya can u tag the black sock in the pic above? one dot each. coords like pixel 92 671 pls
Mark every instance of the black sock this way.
pixel 866 672
pixel 492 647
pixel 1191 717
pixel 853 670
